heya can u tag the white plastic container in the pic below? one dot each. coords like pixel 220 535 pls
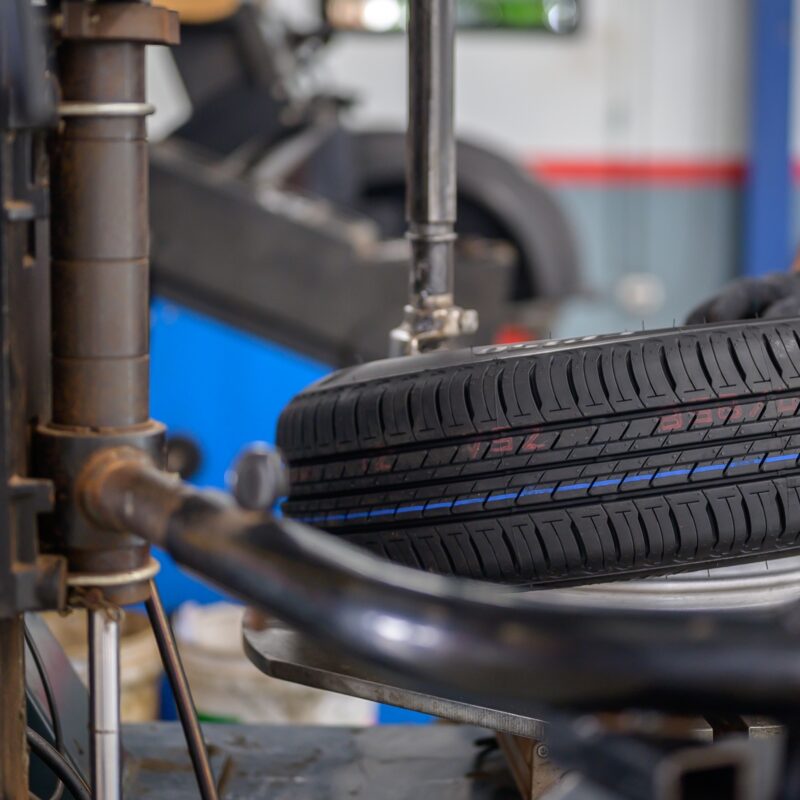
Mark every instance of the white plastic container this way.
pixel 227 687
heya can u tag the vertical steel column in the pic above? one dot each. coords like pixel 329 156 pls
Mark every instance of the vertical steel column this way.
pixel 431 318
pixel 100 244
pixel 431 150
pixel 768 199
pixel 13 747
pixel 104 702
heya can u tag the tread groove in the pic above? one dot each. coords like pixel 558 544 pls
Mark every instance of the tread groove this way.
pixel 703 366
pixel 631 374
pixel 771 354
pixel 662 355
pixel 736 361
pixel 614 538
pixel 714 522
pixel 579 542
pixel 448 555
pixel 477 553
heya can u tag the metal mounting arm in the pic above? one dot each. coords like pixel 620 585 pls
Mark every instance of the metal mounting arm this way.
pixel 446 632
pixel 431 318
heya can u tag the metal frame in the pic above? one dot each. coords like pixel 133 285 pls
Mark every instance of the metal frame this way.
pixel 537 656
pixel 28 580
pixel 100 329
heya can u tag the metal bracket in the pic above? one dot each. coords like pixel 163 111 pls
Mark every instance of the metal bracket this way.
pixel 424 329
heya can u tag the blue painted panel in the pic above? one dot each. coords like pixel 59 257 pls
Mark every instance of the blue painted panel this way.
pixel 767 244
pixel 391 715
pixel 224 388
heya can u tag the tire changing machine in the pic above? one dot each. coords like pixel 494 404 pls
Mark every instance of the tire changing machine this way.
pixel 83 497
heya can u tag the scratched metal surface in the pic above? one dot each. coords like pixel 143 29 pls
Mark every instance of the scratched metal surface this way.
pixel 434 762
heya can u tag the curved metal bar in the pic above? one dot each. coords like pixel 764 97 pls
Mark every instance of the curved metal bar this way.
pixel 446 632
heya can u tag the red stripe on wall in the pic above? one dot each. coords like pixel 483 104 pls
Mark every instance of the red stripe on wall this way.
pixel 632 171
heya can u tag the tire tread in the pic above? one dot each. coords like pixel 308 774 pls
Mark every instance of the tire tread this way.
pixel 605 426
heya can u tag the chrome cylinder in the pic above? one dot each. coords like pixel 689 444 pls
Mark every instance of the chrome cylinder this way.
pixel 104 699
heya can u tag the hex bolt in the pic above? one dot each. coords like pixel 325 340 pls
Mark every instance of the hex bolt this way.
pixel 259 477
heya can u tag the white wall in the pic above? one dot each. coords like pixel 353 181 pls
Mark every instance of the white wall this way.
pixel 642 78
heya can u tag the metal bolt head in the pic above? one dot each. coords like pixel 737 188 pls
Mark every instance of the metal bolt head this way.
pixel 259 477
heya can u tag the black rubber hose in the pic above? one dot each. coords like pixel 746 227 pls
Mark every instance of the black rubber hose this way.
pixel 55 718
pixel 59 765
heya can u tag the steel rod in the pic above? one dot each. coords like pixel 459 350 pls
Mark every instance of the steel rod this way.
pixel 104 700
pixel 431 318
pixel 431 153
pixel 170 658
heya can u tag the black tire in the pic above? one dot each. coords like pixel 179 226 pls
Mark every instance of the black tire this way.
pixel 560 462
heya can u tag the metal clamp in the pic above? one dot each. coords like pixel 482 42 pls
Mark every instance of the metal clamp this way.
pixel 100 580
pixel 88 109
pixel 427 328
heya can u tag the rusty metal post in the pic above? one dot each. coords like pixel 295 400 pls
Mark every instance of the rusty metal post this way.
pixel 13 749
pixel 100 240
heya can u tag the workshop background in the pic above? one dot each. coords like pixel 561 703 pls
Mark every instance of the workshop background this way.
pixel 667 130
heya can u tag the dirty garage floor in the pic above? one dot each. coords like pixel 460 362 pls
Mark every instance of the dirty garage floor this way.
pixel 403 762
